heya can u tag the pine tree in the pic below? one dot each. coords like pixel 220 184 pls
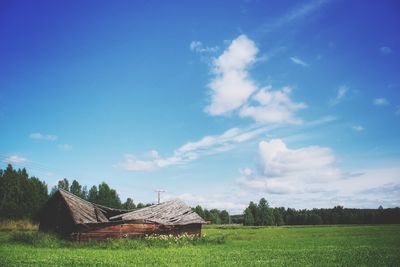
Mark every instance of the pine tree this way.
pixel 76 188
pixel 248 218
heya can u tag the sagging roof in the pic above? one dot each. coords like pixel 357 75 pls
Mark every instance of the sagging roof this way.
pixel 84 212
pixel 173 212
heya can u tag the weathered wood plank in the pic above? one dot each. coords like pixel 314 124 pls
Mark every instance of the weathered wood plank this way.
pixel 173 212
pixel 135 231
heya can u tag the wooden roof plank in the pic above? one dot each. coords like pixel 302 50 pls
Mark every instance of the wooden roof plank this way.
pixel 173 212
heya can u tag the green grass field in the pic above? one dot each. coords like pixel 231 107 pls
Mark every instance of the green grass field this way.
pixel 223 246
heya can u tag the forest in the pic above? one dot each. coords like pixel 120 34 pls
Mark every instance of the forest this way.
pixel 22 196
pixel 262 214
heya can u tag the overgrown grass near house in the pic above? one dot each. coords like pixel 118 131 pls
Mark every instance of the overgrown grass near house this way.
pixel 377 245
pixel 17 225
pixel 45 240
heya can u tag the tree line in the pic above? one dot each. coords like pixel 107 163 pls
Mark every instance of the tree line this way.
pixel 213 216
pixel 262 214
pixel 21 196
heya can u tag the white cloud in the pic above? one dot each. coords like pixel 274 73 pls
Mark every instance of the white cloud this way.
pixel 340 95
pixel 359 190
pixel 313 163
pixel 298 61
pixel 211 144
pixel 358 128
pixel 380 102
pixel 273 107
pixel 307 178
pixel 15 159
pixel 65 147
pixel 232 86
pixel 284 170
pixel 198 47
pixel 385 50
pixel 246 172
pixel 39 136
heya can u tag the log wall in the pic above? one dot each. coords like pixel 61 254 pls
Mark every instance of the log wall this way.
pixel 133 230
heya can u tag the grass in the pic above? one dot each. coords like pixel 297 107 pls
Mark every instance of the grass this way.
pixel 17 225
pixel 377 245
pixel 44 240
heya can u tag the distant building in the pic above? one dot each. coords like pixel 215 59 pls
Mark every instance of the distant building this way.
pixel 81 220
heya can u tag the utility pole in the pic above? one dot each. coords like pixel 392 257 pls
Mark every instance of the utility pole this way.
pixel 158 191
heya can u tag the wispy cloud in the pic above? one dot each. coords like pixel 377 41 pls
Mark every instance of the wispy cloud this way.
pixel 358 128
pixel 15 159
pixel 34 167
pixel 320 121
pixel 340 95
pixel 380 102
pixel 208 145
pixel 65 147
pixel 39 136
pixel 294 15
pixel 298 61
pixel 385 50
pixel 198 47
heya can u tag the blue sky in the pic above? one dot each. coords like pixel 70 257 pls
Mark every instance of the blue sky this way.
pixel 295 101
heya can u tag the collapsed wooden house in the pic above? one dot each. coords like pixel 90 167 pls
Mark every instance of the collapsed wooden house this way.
pixel 81 220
